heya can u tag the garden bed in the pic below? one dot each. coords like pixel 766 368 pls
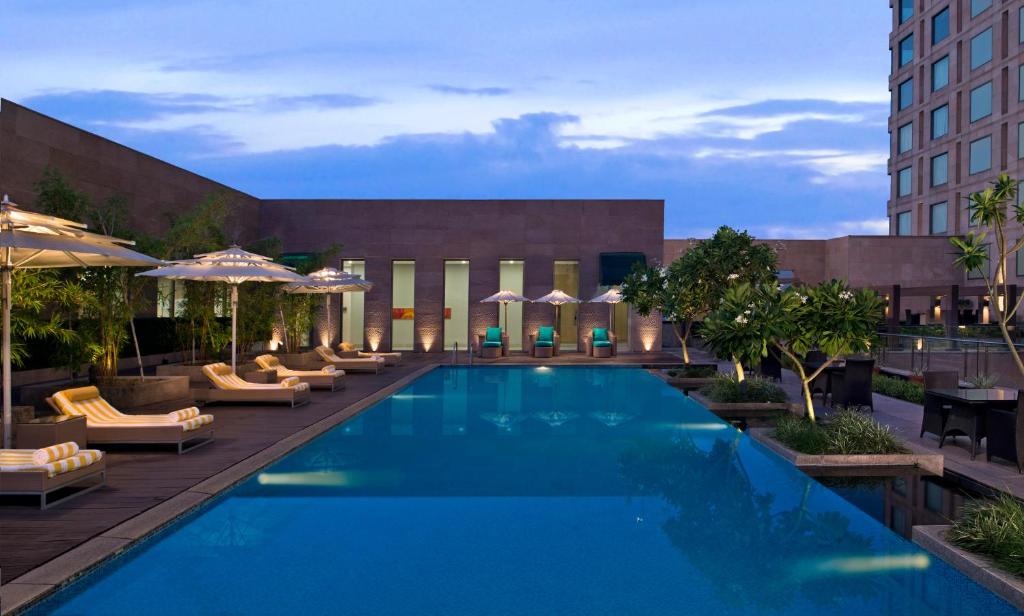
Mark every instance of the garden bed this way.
pixel 852 464
pixel 131 392
pixel 690 377
pixel 979 568
pixel 750 413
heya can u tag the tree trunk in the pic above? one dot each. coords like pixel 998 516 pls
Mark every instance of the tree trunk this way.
pixel 682 334
pixel 740 375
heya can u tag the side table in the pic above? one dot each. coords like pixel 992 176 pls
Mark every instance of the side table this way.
pixel 45 431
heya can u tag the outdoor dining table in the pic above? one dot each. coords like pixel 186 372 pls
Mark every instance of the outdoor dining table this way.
pixel 968 408
pixel 834 368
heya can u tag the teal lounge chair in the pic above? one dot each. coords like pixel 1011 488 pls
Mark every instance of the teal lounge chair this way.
pixel 545 343
pixel 600 343
pixel 493 343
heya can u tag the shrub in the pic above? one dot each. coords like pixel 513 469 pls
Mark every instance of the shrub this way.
pixel 911 391
pixel 845 432
pixel 995 529
pixel 984 381
pixel 693 372
pixel 726 389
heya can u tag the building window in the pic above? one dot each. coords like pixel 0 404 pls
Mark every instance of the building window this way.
pixel 981 49
pixel 977 6
pixel 940 169
pixel 510 278
pixel 906 50
pixel 981 102
pixel 905 138
pixel 170 298
pixel 904 182
pixel 932 497
pixel 1020 140
pixel 940 25
pixel 903 223
pixel 937 224
pixel 984 270
pixel 981 155
pixel 456 304
pixel 940 122
pixel 1020 82
pixel 906 94
pixel 567 278
pixel 906 10
pixel 1020 262
pixel 352 314
pixel 971 222
pixel 403 305
pixel 1020 25
pixel 940 74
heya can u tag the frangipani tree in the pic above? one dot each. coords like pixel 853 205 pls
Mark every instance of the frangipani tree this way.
pixel 829 317
pixel 990 208
pixel 692 285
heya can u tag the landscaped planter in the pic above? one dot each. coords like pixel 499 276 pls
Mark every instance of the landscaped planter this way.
pixel 305 360
pixel 128 392
pixel 975 566
pixel 753 414
pixel 859 465
pixel 687 384
pixel 194 372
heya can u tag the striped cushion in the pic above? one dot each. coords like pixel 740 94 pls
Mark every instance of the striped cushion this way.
pixel 327 354
pixel 99 412
pixel 54 453
pixel 268 362
pixel 13 460
pixel 328 369
pixel 184 414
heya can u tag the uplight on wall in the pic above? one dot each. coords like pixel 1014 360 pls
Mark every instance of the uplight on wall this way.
pixel 937 308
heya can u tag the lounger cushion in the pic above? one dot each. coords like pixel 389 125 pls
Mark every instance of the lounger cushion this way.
pixel 545 334
pixel 544 343
pixel 600 334
pixel 54 453
pixel 347 346
pixel 327 354
pixel 602 343
pixel 87 402
pixel 12 460
pixel 222 377
pixel 493 335
pixel 490 344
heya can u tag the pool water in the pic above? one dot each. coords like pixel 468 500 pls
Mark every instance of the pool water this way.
pixel 529 490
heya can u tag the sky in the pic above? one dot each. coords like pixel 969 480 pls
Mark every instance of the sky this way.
pixel 767 116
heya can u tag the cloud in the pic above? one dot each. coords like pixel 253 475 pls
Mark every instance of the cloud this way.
pixel 871 226
pixel 324 101
pixel 462 91
pixel 111 106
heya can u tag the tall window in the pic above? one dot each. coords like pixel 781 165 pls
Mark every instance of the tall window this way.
pixel 940 74
pixel 456 304
pixel 352 307
pixel 905 138
pixel 170 297
pixel 1020 82
pixel 1020 262
pixel 1020 25
pixel 940 169
pixel 981 155
pixel 977 6
pixel 567 278
pixel 981 102
pixel 940 122
pixel 904 182
pixel 937 224
pixel 906 50
pixel 403 304
pixel 1020 140
pixel 940 25
pixel 906 94
pixel 981 49
pixel 906 10
pixel 903 223
pixel 510 277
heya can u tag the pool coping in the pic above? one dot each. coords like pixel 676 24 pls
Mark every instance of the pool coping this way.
pixel 28 589
pixel 975 566
pixel 933 464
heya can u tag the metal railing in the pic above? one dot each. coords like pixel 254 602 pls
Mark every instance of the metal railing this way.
pixel 971 357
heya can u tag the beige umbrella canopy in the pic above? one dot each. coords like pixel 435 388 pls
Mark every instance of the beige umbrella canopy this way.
pixel 31 240
pixel 232 266
pixel 557 298
pixel 505 297
pixel 611 297
pixel 326 281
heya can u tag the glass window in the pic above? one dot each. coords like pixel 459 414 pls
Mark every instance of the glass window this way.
pixel 940 74
pixel 1020 25
pixel 906 94
pixel 905 138
pixel 932 497
pixel 1020 82
pixel 403 305
pixel 906 50
pixel 510 277
pixel 1020 140
pixel 352 308
pixel 940 169
pixel 940 122
pixel 170 298
pixel 981 155
pixel 906 10
pixel 937 224
pixel 981 49
pixel 971 222
pixel 940 25
pixel 1020 262
pixel 567 279
pixel 903 223
pixel 904 182
pixel 981 102
pixel 456 304
pixel 977 6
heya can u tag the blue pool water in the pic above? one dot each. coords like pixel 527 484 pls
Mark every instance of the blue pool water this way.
pixel 513 490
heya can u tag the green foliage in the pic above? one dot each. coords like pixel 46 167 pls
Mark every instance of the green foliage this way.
pixel 995 529
pixel 39 301
pixel 846 432
pixel 300 309
pixel 983 381
pixel 727 389
pixel 693 372
pixel 902 389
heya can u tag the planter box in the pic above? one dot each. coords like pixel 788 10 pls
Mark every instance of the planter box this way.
pixel 194 372
pixel 751 413
pixel 975 566
pixel 687 384
pixel 306 360
pixel 130 392
pixel 853 465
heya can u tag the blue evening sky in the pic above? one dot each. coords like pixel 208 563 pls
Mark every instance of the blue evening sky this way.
pixel 769 116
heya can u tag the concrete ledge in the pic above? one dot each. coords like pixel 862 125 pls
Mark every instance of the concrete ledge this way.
pixel 979 568
pixel 25 591
pixel 860 465
pixel 753 413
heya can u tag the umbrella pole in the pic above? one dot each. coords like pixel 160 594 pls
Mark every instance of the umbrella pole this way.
pixel 558 322
pixel 234 324
pixel 138 353
pixel 8 420
pixel 506 318
pixel 330 333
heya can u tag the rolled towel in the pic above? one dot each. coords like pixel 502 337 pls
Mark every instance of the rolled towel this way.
pixel 291 381
pixel 53 453
pixel 328 369
pixel 184 414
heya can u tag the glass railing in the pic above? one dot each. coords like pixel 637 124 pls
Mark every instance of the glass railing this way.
pixel 971 357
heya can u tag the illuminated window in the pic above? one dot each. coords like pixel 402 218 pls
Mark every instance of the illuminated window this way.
pixel 403 304
pixel 567 278
pixel 456 304
pixel 510 278
pixel 352 307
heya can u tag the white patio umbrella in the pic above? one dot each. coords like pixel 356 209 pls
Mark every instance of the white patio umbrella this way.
pixel 233 266
pixel 327 281
pixel 557 298
pixel 38 241
pixel 505 297
pixel 611 297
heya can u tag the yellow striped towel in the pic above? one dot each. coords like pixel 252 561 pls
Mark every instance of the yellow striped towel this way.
pixel 292 381
pixel 21 460
pixel 54 453
pixel 328 369
pixel 184 414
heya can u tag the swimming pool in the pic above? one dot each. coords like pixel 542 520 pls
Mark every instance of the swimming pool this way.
pixel 529 490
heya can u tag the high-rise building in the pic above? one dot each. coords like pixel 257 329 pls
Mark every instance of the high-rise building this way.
pixel 957 118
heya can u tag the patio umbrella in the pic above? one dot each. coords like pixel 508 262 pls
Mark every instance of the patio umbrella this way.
pixel 611 297
pixel 326 281
pixel 557 298
pixel 505 297
pixel 233 266
pixel 31 240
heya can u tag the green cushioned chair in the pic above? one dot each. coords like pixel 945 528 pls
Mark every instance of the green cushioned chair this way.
pixel 601 343
pixel 493 343
pixel 545 338
pixel 493 337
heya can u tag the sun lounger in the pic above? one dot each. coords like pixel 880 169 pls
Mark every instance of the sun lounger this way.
pixel 229 387
pixel 41 472
pixel 186 428
pixel 350 364
pixel 347 351
pixel 326 378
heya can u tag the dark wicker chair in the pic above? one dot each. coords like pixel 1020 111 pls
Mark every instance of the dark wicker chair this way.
pixel 1005 433
pixel 935 410
pixel 852 386
pixel 823 384
pixel 770 367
